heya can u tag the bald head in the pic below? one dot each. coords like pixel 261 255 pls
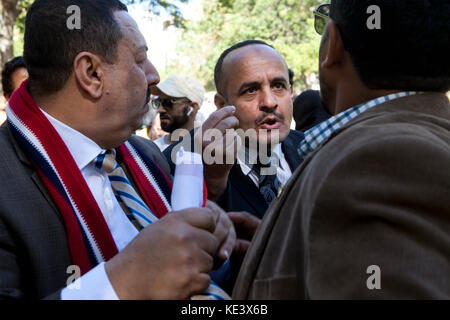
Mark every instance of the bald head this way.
pixel 219 75
pixel 244 58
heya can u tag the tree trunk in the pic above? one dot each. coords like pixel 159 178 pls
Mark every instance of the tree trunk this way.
pixel 10 10
pixel 305 83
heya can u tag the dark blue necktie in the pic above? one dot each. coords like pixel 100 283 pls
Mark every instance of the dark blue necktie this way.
pixel 269 185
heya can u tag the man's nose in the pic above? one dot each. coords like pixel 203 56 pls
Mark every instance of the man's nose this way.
pixel 268 100
pixel 161 109
pixel 152 74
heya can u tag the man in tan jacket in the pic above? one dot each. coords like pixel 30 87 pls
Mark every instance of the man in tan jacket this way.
pixel 367 215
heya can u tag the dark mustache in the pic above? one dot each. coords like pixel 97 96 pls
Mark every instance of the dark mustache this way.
pixel 263 117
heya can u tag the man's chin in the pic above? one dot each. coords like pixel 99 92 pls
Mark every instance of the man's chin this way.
pixel 166 128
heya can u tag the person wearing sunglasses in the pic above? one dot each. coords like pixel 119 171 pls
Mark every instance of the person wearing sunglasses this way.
pixel 367 214
pixel 177 100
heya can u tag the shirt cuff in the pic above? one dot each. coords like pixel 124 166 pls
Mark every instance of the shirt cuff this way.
pixel 94 285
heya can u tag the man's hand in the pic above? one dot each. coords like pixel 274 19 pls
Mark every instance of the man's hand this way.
pixel 245 225
pixel 225 149
pixel 225 232
pixel 169 259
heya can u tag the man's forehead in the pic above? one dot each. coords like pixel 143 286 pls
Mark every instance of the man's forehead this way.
pixel 259 57
pixel 130 29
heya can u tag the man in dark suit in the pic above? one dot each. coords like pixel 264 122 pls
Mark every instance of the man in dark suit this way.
pixel 367 214
pixel 253 97
pixel 64 197
pixel 242 193
pixel 254 78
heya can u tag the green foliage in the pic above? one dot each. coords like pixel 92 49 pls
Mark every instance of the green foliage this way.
pixel 285 24
pixel 19 27
pixel 154 5
pixel 169 6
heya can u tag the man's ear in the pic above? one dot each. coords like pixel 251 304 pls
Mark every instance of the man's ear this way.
pixel 334 47
pixel 89 71
pixel 195 106
pixel 219 101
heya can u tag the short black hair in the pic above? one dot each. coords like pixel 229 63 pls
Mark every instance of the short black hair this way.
pixel 291 76
pixel 218 68
pixel 308 110
pixel 409 52
pixel 50 47
pixel 9 68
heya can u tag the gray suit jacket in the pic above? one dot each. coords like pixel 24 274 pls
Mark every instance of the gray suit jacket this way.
pixel 376 193
pixel 34 252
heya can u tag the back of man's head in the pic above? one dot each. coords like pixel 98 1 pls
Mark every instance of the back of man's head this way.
pixel 7 74
pixel 309 110
pixel 407 48
pixel 53 39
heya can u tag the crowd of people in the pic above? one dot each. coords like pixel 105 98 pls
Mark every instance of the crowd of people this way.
pixel 353 204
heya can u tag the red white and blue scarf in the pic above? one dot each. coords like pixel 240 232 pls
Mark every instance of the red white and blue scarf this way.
pixel 89 238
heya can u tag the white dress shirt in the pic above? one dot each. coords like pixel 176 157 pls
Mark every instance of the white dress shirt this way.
pixel 95 284
pixel 283 170
pixel 163 142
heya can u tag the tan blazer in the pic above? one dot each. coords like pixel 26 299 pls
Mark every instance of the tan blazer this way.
pixel 377 193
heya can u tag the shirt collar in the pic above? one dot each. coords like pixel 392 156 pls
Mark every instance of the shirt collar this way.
pixel 315 136
pixel 245 153
pixel 82 149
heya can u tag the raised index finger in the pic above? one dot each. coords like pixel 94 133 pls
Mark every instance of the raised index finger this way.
pixel 218 116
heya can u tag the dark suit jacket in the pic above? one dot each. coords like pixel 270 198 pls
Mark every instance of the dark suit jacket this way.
pixel 34 252
pixel 376 193
pixel 241 193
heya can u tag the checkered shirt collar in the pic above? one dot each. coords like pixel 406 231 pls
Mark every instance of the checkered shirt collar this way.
pixel 315 136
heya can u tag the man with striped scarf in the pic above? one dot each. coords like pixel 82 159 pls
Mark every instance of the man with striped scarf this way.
pixel 81 196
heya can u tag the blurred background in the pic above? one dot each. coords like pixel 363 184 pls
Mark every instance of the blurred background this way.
pixel 188 36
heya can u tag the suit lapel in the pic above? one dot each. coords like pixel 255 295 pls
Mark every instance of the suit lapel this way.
pixel 34 175
pixel 247 189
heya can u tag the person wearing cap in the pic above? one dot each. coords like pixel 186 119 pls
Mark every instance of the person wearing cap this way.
pixel 178 100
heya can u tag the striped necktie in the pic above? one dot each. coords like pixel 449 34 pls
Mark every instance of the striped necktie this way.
pixel 130 201
pixel 137 211
pixel 269 184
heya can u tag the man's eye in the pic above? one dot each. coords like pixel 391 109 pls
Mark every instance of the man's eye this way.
pixel 141 59
pixel 250 90
pixel 279 85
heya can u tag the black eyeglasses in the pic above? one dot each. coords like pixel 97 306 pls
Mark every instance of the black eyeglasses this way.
pixel 166 103
pixel 321 17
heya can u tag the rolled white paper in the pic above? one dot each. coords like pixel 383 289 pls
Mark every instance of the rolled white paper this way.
pixel 187 191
